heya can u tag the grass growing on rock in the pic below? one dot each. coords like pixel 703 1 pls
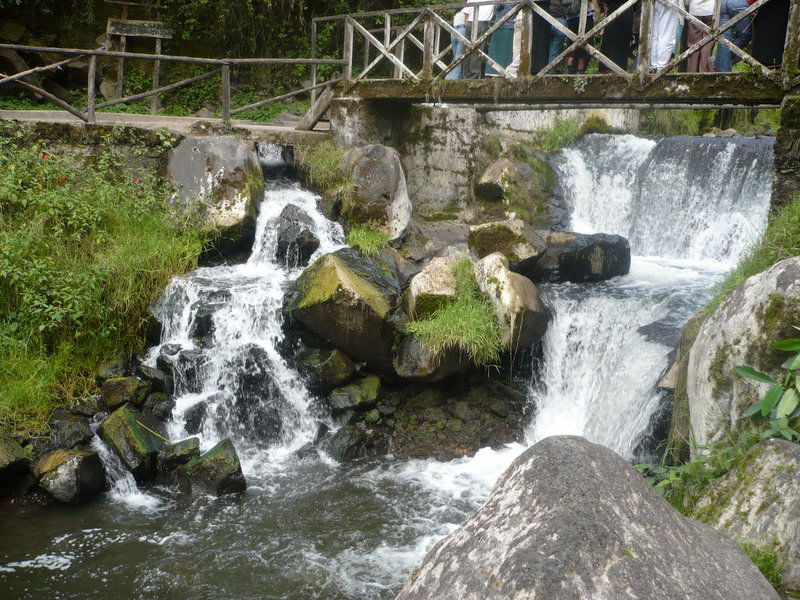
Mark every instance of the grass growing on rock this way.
pixel 369 241
pixel 467 324
pixel 85 246
pixel 321 164
pixel 566 132
pixel 768 562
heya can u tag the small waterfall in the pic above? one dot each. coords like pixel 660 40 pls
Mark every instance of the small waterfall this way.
pixel 690 208
pixel 123 485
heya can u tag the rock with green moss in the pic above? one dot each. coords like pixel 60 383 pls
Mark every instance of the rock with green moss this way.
pixel 136 438
pixel 324 370
pixel 432 288
pixel 520 312
pixel 13 459
pixel 512 238
pixel 160 405
pixel 742 331
pixel 361 395
pixel 124 390
pixel 218 472
pixel 353 304
pixel 71 476
pixel 355 441
pixel 68 430
pixel 415 360
pixel 578 258
pixel 116 367
pixel 175 455
pixel 758 505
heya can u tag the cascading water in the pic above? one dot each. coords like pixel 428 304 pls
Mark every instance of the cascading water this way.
pixel 310 528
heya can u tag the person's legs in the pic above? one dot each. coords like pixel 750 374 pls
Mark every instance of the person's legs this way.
pixel 698 62
pixel 665 27
pixel 513 68
pixel 617 37
pixel 739 34
pixel 458 50
pixel 473 64
pixel 556 41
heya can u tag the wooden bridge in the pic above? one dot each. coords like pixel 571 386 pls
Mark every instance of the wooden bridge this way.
pixel 405 55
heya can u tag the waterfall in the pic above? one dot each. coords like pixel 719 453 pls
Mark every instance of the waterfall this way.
pixel 690 208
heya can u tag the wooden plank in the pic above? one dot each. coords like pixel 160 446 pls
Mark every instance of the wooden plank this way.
pixel 260 103
pixel 525 61
pixel 161 90
pixel 225 88
pixel 384 51
pixel 313 55
pixel 131 28
pixel 319 108
pixel 645 39
pixel 347 53
pixel 156 76
pixel 91 89
pixel 123 44
pixel 427 50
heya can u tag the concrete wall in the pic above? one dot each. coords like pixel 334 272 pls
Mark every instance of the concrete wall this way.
pixel 444 150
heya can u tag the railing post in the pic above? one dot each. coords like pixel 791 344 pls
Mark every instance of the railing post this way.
pixel 400 53
pixel 347 53
pixel 226 93
pixel 313 56
pixel 791 53
pixel 645 35
pixel 156 76
pixel 91 87
pixel 427 45
pixel 387 35
pixel 526 43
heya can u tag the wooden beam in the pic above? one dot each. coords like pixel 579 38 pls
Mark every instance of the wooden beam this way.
pixel 161 90
pixel 313 55
pixel 225 88
pixel 525 61
pixel 151 29
pixel 427 51
pixel 34 89
pixel 384 51
pixel 156 76
pixel 319 108
pixel 91 89
pixel 36 70
pixel 306 90
pixel 347 52
pixel 123 45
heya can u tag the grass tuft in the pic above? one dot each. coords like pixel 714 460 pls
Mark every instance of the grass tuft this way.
pixel 321 164
pixel 369 241
pixel 767 561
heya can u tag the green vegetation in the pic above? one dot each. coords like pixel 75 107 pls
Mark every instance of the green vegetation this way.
pixel 697 122
pixel 321 167
pixel 566 132
pixel 467 324
pixel 85 246
pixel 768 562
pixel 369 241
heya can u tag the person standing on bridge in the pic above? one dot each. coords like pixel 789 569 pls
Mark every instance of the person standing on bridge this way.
pixel 478 17
pixel 699 61
pixel 662 35
pixel 460 25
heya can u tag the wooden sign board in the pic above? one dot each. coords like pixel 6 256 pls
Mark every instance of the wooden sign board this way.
pixel 151 29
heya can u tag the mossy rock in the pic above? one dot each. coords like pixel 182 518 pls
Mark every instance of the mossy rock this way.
pixel 117 391
pixel 160 405
pixel 71 476
pixel 218 472
pixel 178 454
pixel 361 395
pixel 135 438
pixel 13 458
pixel 512 238
pixel 324 370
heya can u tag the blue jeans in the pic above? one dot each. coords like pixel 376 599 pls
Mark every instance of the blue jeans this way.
pixel 556 40
pixel 458 50
pixel 739 34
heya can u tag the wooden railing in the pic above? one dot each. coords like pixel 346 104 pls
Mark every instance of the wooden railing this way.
pixel 219 67
pixel 422 28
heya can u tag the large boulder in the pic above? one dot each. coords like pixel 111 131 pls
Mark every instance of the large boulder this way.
pixel 222 177
pixel 758 505
pixel 296 239
pixel 136 438
pixel 118 391
pixel 360 395
pixel 416 360
pixel 379 191
pixel 349 301
pixel 218 472
pixel 324 370
pixel 433 287
pixel 13 459
pixel 522 188
pixel 578 258
pixel 521 314
pixel 742 331
pixel 178 454
pixel 71 476
pixel 512 238
pixel 571 519
pixel 68 430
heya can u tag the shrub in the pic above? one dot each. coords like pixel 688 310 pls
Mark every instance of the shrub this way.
pixel 369 241
pixel 467 324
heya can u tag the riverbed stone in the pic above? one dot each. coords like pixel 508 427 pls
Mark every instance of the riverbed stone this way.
pixel 217 472
pixel 347 300
pixel 159 380
pixel 415 360
pixel 175 455
pixel 136 438
pixel 578 258
pixel 13 458
pixel 68 430
pixel 324 370
pixel 742 331
pixel 360 395
pixel 379 193
pixel 161 405
pixel 513 238
pixel 434 287
pixel 124 390
pixel 521 187
pixel 572 519
pixel 296 239
pixel 758 504
pixel 354 441
pixel 520 312
pixel 71 476
pixel 116 367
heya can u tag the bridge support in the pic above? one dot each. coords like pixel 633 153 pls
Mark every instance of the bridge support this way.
pixel 787 153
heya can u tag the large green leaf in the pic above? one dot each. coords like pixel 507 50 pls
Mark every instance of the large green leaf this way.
pixel 751 373
pixel 788 403
pixel 771 399
pixel 790 345
pixel 792 364
pixel 753 410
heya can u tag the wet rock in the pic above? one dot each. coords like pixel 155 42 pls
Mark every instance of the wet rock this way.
pixel 434 287
pixel 521 187
pixel 218 472
pixel 136 438
pixel 742 331
pixel 350 302
pixel 379 191
pixel 512 238
pixel 71 476
pixel 116 367
pixel 324 370
pixel 403 270
pixel 520 312
pixel 159 380
pixel 415 360
pixel 758 504
pixel 13 459
pixel 296 239
pixel 68 430
pixel 358 396
pixel 178 454
pixel 352 442
pixel 571 519
pixel 160 405
pixel 123 390
pixel 195 416
pixel 578 258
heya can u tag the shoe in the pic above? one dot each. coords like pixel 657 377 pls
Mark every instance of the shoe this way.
pixel 572 70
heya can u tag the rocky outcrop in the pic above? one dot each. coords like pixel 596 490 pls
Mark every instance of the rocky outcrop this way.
pixel 415 360
pixel 571 519
pixel 742 331
pixel 521 188
pixel 758 504
pixel 578 258
pixel 296 239
pixel 118 391
pixel 358 396
pixel 220 176
pixel 520 312
pixel 218 472
pixel 13 459
pixel 71 476
pixel 135 438
pixel 379 193
pixel 68 430
pixel 350 302
pixel 433 287
pixel 178 454
pixel 512 238
pixel 324 370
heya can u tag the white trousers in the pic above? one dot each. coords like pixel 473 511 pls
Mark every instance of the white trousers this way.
pixel 513 68
pixel 665 28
